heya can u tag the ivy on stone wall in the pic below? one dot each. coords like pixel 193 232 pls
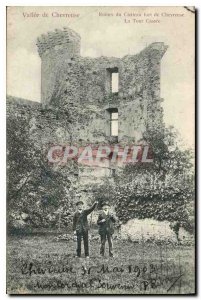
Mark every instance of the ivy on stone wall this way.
pixel 39 195
pixel 162 190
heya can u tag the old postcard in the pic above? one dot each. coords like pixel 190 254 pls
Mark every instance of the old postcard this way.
pixel 100 150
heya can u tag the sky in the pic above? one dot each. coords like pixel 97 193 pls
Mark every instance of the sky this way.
pixel 110 31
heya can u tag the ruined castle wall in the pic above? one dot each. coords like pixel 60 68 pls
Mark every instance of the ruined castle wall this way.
pixel 84 82
pixel 77 95
pixel 56 49
pixel 44 126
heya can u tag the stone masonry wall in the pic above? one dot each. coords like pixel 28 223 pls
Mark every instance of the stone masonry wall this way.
pixel 68 79
pixel 47 127
pixel 77 97
pixel 56 49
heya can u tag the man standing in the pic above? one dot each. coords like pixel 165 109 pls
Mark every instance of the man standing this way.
pixel 106 228
pixel 81 227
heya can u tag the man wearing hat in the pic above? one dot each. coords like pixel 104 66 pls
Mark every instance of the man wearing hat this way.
pixel 106 228
pixel 81 226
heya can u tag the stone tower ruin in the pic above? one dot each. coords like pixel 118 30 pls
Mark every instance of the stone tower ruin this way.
pixel 88 81
pixel 116 99
pixel 55 49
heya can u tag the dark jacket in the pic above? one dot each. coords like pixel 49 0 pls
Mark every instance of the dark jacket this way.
pixel 108 225
pixel 80 222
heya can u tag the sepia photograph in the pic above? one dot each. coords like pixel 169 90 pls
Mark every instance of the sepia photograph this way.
pixel 100 117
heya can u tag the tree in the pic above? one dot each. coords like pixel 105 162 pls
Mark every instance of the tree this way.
pixel 163 190
pixel 38 193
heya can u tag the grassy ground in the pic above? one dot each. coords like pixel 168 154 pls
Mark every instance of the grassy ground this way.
pixel 42 265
